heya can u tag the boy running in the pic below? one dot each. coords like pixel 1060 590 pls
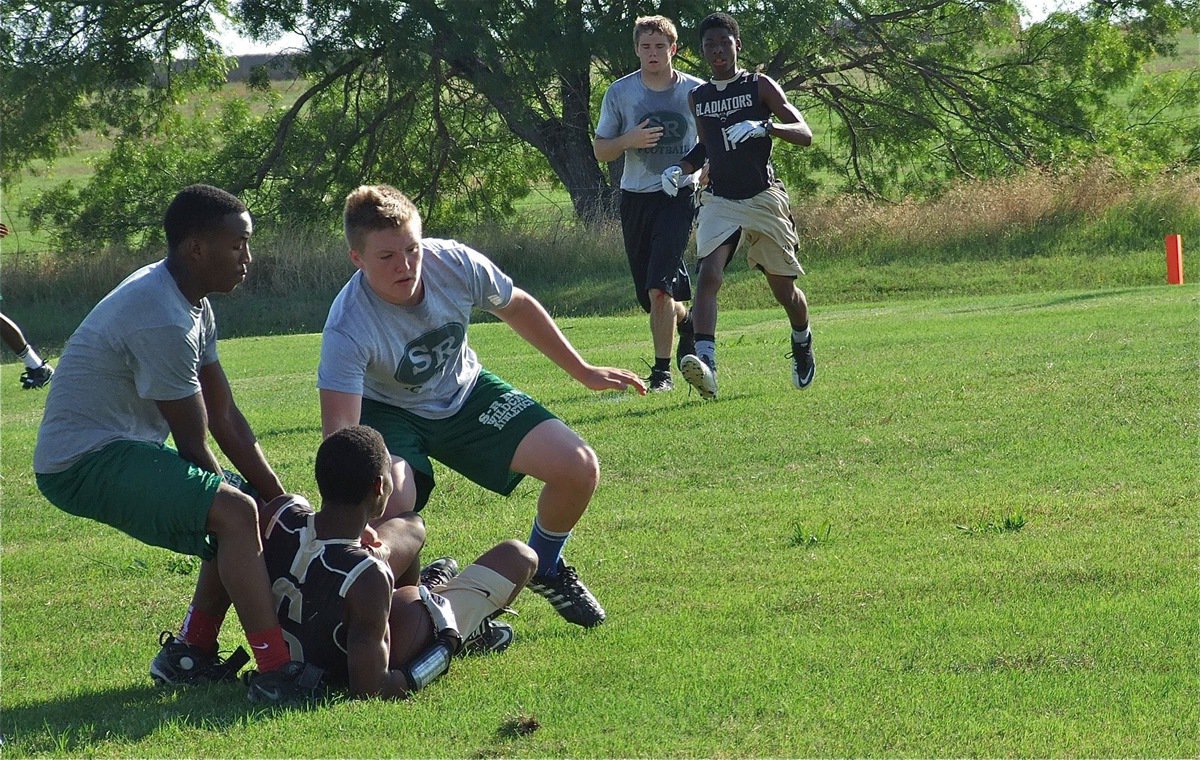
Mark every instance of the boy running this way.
pixel 733 113
pixel 645 117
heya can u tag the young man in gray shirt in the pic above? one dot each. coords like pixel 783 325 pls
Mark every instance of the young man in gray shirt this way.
pixel 141 366
pixel 394 356
pixel 645 116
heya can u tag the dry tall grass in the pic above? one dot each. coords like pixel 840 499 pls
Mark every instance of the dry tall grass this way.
pixel 1089 228
pixel 972 213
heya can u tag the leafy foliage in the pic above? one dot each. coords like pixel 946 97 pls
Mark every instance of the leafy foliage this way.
pixel 462 103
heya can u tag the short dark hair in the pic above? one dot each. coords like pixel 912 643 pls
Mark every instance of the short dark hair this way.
pixel 720 21
pixel 348 463
pixel 195 209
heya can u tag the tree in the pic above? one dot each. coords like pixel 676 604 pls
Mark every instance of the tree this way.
pixel 68 66
pixel 915 91
pixel 460 100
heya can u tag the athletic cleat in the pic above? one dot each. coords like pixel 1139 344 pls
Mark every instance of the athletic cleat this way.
pixel 181 664
pixel 491 637
pixel 567 594
pixel 38 377
pixel 294 683
pixel 438 573
pixel 804 367
pixel 687 340
pixel 660 381
pixel 701 372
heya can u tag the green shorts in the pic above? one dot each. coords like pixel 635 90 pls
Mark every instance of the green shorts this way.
pixel 479 441
pixel 144 490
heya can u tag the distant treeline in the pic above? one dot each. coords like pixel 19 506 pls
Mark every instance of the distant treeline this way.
pixel 278 66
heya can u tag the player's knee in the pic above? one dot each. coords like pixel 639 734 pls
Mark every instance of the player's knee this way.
pixel 583 468
pixel 519 557
pixel 232 511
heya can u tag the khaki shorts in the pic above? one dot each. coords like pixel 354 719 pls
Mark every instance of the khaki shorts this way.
pixel 768 234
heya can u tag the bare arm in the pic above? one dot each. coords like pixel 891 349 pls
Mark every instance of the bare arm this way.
pixel 339 410
pixel 692 166
pixel 233 433
pixel 188 420
pixel 642 136
pixel 789 124
pixel 368 642
pixel 528 318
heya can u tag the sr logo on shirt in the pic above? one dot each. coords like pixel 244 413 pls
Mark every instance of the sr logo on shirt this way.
pixel 674 130
pixel 425 357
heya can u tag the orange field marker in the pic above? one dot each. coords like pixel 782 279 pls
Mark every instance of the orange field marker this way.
pixel 1174 259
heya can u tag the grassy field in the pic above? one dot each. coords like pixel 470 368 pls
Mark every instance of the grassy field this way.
pixel 974 536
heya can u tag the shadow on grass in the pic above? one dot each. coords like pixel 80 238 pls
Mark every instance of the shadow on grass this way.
pixel 76 724
pixel 1047 303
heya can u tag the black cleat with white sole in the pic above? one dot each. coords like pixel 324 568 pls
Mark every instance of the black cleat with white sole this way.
pixel 567 594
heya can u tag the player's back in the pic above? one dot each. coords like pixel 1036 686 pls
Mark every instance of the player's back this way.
pixel 309 581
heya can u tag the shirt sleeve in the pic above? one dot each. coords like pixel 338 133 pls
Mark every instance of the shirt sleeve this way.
pixel 611 124
pixel 208 351
pixel 343 363
pixel 492 288
pixel 165 361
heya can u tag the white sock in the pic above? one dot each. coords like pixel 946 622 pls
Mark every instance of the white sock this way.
pixel 30 357
pixel 802 336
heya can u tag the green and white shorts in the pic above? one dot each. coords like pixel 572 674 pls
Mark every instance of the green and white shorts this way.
pixel 479 441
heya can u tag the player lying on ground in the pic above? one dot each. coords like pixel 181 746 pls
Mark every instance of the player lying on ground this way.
pixel 333 578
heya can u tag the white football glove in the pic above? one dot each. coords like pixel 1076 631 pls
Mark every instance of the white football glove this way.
pixel 670 179
pixel 744 130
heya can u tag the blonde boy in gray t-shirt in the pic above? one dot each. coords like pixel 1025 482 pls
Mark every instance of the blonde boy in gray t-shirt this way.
pixel 395 356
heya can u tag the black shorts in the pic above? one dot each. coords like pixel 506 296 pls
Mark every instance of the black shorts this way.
pixel 656 229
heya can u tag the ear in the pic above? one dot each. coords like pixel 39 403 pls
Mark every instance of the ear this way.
pixel 356 258
pixel 378 486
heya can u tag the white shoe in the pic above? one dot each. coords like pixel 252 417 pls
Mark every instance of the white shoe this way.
pixel 701 374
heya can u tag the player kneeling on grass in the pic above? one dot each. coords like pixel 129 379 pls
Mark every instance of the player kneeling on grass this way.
pixel 333 577
pixel 394 356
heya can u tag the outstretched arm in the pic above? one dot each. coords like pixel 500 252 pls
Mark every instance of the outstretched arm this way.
pixel 529 319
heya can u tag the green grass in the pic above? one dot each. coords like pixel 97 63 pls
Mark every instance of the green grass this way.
pixel 786 573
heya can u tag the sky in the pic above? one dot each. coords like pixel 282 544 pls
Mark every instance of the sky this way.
pixel 235 44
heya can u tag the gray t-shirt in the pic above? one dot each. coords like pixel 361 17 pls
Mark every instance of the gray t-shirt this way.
pixel 143 343
pixel 413 357
pixel 627 103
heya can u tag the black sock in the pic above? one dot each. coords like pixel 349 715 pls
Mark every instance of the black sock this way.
pixel 661 364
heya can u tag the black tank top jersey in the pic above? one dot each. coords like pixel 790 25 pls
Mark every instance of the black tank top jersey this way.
pixel 309 580
pixel 734 171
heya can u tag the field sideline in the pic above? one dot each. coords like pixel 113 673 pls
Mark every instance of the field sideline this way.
pixel 974 536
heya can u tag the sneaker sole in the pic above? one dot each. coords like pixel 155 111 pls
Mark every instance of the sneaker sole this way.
pixel 564 608
pixel 475 647
pixel 699 376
